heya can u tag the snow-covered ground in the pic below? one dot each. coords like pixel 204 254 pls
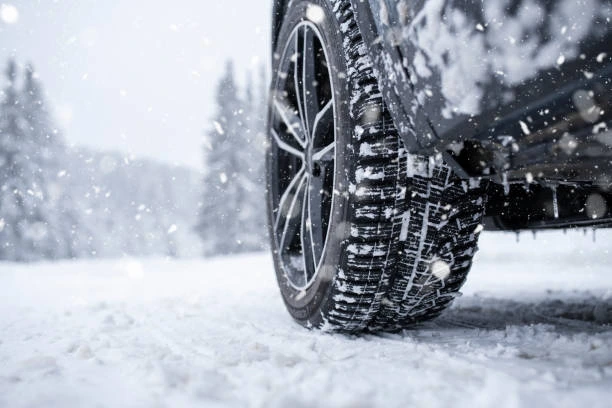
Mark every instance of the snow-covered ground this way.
pixel 534 328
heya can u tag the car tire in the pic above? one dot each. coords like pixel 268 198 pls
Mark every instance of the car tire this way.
pixel 372 237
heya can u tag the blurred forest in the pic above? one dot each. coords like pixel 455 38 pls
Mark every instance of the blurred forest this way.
pixel 62 202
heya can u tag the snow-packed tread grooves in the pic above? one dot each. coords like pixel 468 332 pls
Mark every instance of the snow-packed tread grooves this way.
pixel 447 233
pixel 369 254
pixel 384 283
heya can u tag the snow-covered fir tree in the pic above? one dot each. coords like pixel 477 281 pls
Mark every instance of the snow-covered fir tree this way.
pixel 232 214
pixel 26 152
pixel 253 214
pixel 48 152
pixel 58 202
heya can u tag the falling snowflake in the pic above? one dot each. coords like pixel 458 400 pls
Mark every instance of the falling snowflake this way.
pixel 524 128
pixel 440 269
pixel 218 128
pixel 561 60
pixel 9 13
pixel 315 13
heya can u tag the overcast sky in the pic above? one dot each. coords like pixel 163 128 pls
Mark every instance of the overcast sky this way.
pixel 134 75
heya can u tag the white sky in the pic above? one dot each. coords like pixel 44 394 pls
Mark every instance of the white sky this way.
pixel 135 75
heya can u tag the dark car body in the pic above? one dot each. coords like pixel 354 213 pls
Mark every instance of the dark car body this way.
pixel 515 91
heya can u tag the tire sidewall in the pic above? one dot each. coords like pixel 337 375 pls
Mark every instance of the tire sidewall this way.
pixel 308 306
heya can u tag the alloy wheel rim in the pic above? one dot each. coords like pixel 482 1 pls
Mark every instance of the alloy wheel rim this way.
pixel 303 145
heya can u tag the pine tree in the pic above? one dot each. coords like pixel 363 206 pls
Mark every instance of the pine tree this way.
pixel 263 97
pixel 232 215
pixel 44 133
pixel 21 221
pixel 222 192
pixel 10 202
pixel 47 150
pixel 26 152
pixel 254 211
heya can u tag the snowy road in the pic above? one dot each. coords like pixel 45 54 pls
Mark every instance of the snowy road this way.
pixel 534 325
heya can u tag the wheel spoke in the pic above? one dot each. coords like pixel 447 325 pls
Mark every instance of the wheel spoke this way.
pixel 298 76
pixel 323 125
pixel 288 195
pixel 286 146
pixel 316 191
pixel 289 211
pixel 293 122
pixel 309 81
pixel 325 154
pixel 306 235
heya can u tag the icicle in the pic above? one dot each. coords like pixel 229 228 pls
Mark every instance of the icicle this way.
pixel 555 203
pixel 518 236
pixel 534 232
pixel 594 235
pixel 505 183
